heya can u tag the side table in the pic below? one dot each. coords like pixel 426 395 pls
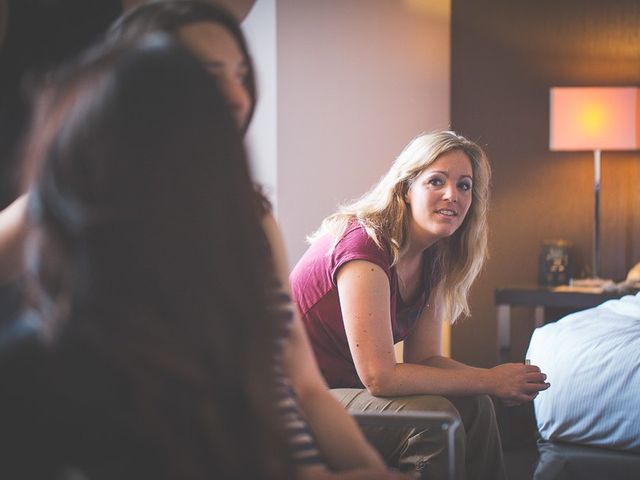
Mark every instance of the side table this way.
pixel 539 298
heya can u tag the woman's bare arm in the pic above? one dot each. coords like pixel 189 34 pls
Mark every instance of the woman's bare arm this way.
pixel 364 299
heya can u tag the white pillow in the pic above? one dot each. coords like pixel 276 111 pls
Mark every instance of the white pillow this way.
pixel 592 360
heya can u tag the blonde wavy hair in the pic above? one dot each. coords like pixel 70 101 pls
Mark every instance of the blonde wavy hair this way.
pixel 384 214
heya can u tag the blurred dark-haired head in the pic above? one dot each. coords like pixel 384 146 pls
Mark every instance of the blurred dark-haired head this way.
pixel 211 32
pixel 146 249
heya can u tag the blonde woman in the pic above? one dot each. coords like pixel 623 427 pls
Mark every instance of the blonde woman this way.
pixel 392 266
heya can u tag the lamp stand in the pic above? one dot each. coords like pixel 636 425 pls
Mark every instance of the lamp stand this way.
pixel 594 281
pixel 596 211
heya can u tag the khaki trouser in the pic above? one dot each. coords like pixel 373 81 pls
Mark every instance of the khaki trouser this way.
pixel 478 451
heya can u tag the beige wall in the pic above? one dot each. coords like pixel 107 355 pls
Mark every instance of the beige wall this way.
pixel 343 86
pixel 357 79
pixel 260 29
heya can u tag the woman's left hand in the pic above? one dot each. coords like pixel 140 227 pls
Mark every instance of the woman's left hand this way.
pixel 516 383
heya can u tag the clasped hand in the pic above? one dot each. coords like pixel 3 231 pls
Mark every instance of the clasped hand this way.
pixel 517 383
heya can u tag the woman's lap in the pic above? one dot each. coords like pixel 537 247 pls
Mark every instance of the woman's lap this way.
pixel 425 449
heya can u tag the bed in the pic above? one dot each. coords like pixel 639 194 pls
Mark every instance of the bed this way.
pixel 589 419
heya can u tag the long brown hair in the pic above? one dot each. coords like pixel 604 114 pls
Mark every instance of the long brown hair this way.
pixel 147 249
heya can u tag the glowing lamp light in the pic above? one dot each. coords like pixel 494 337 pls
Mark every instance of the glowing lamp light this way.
pixel 594 118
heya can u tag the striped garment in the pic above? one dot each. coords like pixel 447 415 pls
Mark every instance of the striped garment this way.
pixel 300 439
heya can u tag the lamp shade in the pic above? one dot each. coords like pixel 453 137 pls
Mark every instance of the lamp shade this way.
pixel 594 118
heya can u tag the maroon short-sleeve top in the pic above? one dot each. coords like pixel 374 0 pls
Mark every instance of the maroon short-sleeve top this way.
pixel 314 287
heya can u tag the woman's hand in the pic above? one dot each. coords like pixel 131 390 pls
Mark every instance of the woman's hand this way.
pixel 516 383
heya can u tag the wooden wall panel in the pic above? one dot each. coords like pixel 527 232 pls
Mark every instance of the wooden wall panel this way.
pixel 505 56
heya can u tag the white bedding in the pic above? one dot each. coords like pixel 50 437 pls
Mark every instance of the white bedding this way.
pixel 592 359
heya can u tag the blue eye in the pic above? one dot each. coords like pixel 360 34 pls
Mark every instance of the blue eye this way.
pixel 464 186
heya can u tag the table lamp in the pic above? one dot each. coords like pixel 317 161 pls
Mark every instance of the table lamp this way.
pixel 594 118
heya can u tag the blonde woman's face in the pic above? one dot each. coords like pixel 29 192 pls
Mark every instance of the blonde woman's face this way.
pixel 223 58
pixel 440 197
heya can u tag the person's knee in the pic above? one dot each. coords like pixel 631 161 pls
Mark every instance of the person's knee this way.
pixel 346 396
pixel 474 405
pixel 485 409
pixel 427 403
pixel 484 405
pixel 476 410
